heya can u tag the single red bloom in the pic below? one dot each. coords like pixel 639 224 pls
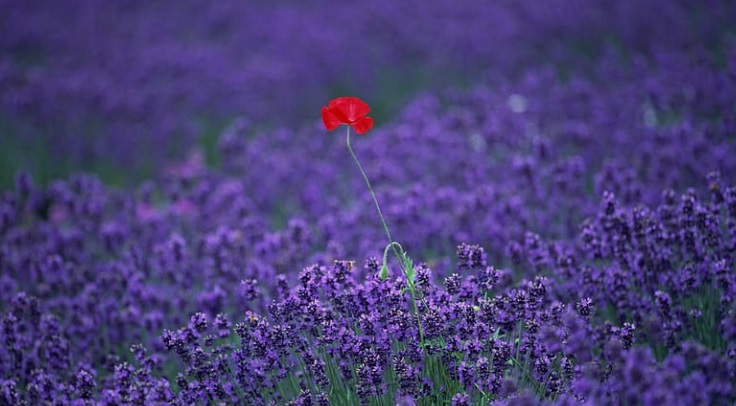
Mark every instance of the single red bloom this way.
pixel 347 110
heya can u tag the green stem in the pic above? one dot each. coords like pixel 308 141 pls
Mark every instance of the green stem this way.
pixel 419 319
pixel 392 246
pixel 391 242
pixel 373 194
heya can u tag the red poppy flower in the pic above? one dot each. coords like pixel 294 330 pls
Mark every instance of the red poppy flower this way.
pixel 347 110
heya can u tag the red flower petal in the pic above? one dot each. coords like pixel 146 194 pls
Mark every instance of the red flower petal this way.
pixel 363 124
pixel 329 118
pixel 349 109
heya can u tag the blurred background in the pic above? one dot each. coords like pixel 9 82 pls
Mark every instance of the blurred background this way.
pixel 123 89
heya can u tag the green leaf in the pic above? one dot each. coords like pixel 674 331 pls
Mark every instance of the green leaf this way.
pixel 410 276
pixel 409 269
pixel 497 333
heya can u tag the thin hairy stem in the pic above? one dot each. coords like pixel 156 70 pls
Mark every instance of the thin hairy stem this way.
pixel 399 253
pixel 373 195
pixel 392 246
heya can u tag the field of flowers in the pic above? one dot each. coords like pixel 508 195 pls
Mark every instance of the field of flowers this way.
pixel 177 225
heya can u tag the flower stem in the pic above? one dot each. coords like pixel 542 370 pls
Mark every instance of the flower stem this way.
pixel 400 253
pixel 373 195
pixel 392 246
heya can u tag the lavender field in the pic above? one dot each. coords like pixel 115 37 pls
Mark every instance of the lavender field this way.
pixel 179 227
